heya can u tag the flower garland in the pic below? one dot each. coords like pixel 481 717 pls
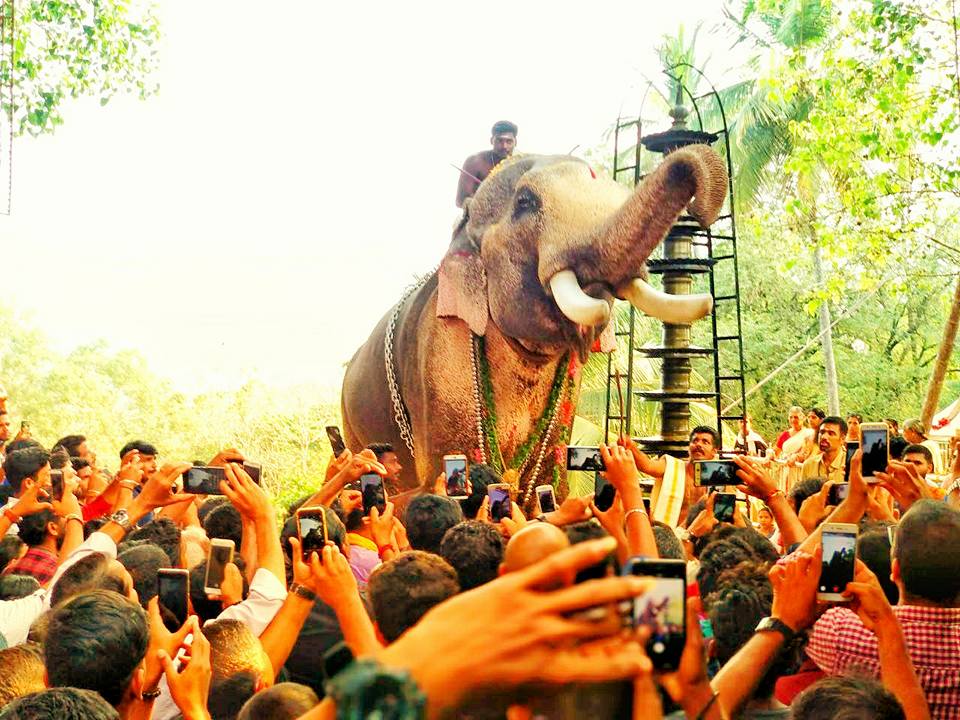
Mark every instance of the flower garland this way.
pixel 543 428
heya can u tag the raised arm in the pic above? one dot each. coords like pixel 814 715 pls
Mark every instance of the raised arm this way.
pixel 254 505
pixel 758 483
pixel 623 475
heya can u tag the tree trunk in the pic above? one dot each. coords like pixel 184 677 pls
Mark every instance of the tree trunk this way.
pixel 826 339
pixel 943 358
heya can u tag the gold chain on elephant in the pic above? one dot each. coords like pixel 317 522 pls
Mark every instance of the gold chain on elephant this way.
pixel 486 420
pixel 400 413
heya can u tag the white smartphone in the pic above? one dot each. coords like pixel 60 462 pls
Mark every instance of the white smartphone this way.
pixel 455 468
pixel 875 443
pixel 546 498
pixel 839 560
pixel 220 554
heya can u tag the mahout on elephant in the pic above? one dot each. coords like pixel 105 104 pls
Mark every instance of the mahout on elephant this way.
pixel 483 356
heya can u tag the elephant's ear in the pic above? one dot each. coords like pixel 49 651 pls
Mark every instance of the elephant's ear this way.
pixel 462 282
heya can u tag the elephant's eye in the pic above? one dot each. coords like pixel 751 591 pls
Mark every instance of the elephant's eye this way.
pixel 526 202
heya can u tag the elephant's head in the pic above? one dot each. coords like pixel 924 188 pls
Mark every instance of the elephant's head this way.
pixel 545 245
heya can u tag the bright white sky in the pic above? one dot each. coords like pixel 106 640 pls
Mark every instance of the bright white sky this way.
pixel 259 216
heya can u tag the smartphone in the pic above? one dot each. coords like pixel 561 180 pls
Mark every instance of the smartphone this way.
pixel 714 473
pixel 852 447
pixel 253 470
pixel 663 608
pixel 56 484
pixel 839 559
pixel 499 494
pixel 173 589
pixel 374 496
pixel 203 480
pixel 584 458
pixel 838 493
pixel 220 553
pixel 455 468
pixel 336 440
pixel 311 529
pixel 723 505
pixel 603 493
pixel 546 498
pixel 876 449
pixel 646 506
pixel 337 658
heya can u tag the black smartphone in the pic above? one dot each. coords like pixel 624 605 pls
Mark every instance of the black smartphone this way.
pixel 603 493
pixel 253 470
pixel 723 506
pixel 839 560
pixel 714 473
pixel 203 480
pixel 500 507
pixel 838 493
pixel 335 659
pixel 311 529
pixel 374 496
pixel 663 608
pixel 876 449
pixel 455 468
pixel 173 589
pixel 56 484
pixel 336 440
pixel 584 458
pixel 852 447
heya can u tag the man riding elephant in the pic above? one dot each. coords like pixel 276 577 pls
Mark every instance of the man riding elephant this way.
pixel 482 357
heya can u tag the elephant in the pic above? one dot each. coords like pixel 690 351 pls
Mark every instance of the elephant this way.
pixel 482 356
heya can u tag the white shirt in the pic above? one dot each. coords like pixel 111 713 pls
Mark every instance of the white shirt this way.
pixel 16 616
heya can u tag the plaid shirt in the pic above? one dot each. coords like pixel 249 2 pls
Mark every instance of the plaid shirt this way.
pixel 840 644
pixel 39 563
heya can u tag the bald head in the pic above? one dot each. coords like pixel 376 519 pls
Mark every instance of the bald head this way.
pixel 531 545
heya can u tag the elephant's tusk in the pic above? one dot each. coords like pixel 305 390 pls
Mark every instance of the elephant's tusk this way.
pixel 575 303
pixel 672 309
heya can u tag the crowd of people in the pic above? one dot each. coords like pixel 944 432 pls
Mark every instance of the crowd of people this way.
pixel 444 613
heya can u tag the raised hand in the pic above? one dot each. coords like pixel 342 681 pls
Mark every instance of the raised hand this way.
pixel 163 639
pixel 157 491
pixel 381 526
pixel 905 484
pixel 795 579
pixel 515 523
pixel 245 495
pixel 868 600
pixel 190 685
pixel 756 480
pixel 326 573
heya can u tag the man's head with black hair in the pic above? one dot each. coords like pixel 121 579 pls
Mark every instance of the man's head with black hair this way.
pixel 209 505
pixel 235 649
pixel 21 671
pixel 802 489
pixel 480 476
pixel 24 467
pixel 503 138
pixel 97 641
pixel 165 534
pixel 15 445
pixel 704 443
pixel 846 697
pixel 142 560
pixel 224 522
pixel 36 528
pixel 148 454
pixel 75 445
pixel 59 459
pixel 11 548
pixel 717 557
pixel 14 587
pixel 475 550
pixel 873 549
pixel 62 703
pixel 920 457
pixel 387 456
pixel 204 607
pixel 404 589
pixel 427 519
pixel 92 572
pixel 228 695
pixel 922 567
pixel 669 546
pixel 283 701
pixel 831 434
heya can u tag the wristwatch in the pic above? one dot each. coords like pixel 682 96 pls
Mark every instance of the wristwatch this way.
pixel 304 592
pixel 122 518
pixel 772 624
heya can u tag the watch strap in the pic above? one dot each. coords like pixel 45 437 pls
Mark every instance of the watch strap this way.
pixel 772 624
pixel 304 592
pixel 150 694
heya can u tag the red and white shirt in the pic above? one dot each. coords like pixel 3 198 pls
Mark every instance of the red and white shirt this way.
pixel 840 644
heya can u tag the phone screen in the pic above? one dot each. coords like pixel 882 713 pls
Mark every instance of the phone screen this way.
pixel 548 501
pixel 839 556
pixel 716 473
pixel 838 493
pixel 336 440
pixel 371 487
pixel 253 470
pixel 663 609
pixel 56 484
pixel 852 447
pixel 584 458
pixel 312 528
pixel 172 590
pixel 723 505
pixel 455 469
pixel 499 503
pixel 203 480
pixel 875 451
pixel 603 493
pixel 220 555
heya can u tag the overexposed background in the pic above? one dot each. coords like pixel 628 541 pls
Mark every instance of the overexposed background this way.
pixel 258 217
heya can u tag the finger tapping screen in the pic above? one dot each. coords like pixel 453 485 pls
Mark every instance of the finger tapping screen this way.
pixel 839 555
